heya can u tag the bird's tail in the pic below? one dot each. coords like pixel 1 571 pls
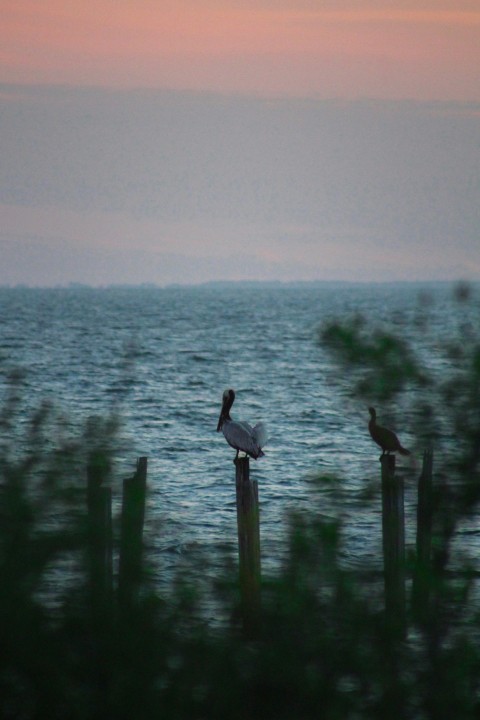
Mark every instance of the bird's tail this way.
pixel 260 434
pixel 403 451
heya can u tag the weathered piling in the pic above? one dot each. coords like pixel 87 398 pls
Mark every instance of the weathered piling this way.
pixel 423 564
pixel 99 505
pixel 131 534
pixel 393 528
pixel 425 509
pixel 248 523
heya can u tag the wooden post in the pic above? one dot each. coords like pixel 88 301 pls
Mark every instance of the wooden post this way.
pixel 423 566
pixel 99 503
pixel 131 537
pixel 425 508
pixel 393 527
pixel 248 523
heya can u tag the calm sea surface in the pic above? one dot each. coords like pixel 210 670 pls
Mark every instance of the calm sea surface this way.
pixel 161 358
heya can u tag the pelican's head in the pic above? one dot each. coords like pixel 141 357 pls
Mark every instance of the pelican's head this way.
pixel 227 402
pixel 372 412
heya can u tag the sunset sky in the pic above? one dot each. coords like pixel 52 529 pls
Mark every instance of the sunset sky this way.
pixel 188 140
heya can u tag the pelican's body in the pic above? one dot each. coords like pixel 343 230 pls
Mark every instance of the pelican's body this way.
pixel 384 437
pixel 240 435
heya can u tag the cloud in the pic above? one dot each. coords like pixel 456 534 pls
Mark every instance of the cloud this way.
pixel 181 186
pixel 281 48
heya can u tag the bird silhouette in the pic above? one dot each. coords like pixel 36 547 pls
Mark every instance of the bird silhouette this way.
pixel 239 434
pixel 384 437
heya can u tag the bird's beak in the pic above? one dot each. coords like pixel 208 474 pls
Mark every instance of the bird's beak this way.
pixel 226 405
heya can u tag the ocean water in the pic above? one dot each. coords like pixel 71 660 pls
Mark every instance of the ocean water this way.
pixel 160 359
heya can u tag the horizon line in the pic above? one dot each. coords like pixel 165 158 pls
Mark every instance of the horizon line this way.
pixel 74 285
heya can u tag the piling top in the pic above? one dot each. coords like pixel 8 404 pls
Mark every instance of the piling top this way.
pixel 388 467
pixel 242 469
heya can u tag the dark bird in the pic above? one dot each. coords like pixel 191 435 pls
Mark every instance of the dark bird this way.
pixel 240 435
pixel 384 437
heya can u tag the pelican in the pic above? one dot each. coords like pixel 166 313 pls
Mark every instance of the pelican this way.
pixel 384 437
pixel 240 435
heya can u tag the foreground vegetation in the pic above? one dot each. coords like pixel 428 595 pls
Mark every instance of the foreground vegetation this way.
pixel 323 649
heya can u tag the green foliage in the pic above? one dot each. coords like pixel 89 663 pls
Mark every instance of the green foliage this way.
pixel 435 378
pixel 387 361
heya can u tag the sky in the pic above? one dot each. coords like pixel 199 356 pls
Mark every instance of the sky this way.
pixel 158 141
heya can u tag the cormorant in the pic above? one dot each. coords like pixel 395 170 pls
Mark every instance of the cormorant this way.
pixel 384 437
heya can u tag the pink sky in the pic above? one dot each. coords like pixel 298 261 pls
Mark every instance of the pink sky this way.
pixel 153 186
pixel 422 50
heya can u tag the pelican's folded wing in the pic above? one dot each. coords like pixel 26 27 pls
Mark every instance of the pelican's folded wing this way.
pixel 238 434
pixel 241 436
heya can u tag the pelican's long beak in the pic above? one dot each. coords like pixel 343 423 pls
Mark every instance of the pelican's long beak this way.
pixel 223 415
pixel 227 401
